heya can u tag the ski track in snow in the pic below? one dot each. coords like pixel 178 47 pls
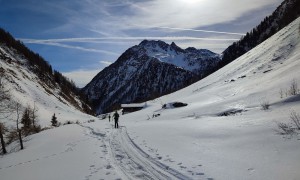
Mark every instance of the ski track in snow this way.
pixel 133 162
pixel 129 160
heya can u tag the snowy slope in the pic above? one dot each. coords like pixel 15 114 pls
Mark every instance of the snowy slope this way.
pixel 192 142
pixel 26 88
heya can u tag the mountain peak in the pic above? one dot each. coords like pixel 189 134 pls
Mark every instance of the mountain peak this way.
pixel 173 44
pixel 152 43
pixel 176 48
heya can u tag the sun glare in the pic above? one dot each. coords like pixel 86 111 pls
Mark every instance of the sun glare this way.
pixel 190 1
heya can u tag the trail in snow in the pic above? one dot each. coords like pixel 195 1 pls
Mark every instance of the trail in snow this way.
pixel 133 162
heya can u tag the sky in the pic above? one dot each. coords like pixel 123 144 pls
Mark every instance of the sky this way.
pixel 81 37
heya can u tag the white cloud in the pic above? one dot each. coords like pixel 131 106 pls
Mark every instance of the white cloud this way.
pixel 82 76
pixel 106 63
pixel 180 14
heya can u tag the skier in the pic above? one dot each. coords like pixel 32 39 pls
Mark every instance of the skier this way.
pixel 108 117
pixel 116 116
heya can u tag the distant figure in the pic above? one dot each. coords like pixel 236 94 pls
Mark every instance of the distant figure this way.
pixel 109 118
pixel 116 116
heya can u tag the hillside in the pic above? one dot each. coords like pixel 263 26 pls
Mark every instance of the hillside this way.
pixel 287 12
pixel 32 82
pixel 223 132
pixel 147 71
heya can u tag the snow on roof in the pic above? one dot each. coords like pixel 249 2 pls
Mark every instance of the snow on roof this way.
pixel 133 105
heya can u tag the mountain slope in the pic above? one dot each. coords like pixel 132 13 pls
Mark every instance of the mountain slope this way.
pixel 146 71
pixel 31 81
pixel 287 12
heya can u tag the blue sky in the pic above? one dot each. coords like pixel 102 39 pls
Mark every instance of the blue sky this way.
pixel 81 37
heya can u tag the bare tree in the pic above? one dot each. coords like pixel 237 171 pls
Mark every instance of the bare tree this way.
pixel 33 115
pixel 2 131
pixel 4 97
pixel 4 109
pixel 281 93
pixel 17 108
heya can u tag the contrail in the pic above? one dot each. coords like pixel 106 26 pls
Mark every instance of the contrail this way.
pixel 95 40
pixel 69 46
pixel 200 30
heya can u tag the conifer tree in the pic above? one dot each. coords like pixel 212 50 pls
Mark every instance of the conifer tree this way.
pixel 54 120
pixel 26 121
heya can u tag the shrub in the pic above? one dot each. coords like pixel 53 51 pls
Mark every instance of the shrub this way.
pixel 281 93
pixel 294 88
pixel 265 105
pixel 68 122
pixel 295 119
pixel 292 127
pixel 285 129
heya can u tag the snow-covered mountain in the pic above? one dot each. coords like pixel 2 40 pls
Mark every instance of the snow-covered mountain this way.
pixel 31 82
pixel 146 71
pixel 223 132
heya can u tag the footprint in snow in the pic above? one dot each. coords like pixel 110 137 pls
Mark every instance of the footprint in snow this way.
pixel 251 169
pixel 199 174
pixel 119 157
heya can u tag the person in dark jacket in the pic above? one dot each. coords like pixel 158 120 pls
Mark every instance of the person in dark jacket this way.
pixel 116 116
pixel 108 117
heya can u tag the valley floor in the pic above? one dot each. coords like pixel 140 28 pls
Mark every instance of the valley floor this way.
pixel 88 151
pixel 187 147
